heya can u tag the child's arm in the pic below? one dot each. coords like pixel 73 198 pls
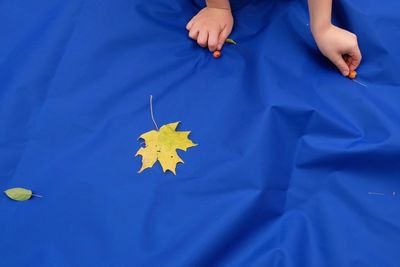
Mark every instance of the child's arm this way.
pixel 339 45
pixel 212 25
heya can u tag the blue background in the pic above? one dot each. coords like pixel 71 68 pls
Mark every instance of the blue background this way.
pixel 288 148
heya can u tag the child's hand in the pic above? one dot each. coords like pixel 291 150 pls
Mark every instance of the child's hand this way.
pixel 340 46
pixel 210 27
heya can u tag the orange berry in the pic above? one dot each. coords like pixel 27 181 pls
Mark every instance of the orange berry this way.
pixel 352 74
pixel 217 54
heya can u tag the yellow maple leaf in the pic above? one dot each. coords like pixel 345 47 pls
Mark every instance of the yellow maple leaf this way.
pixel 161 145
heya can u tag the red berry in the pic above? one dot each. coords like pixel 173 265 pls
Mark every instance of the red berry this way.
pixel 217 54
pixel 352 74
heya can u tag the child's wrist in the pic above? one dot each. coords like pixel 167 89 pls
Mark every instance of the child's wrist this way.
pixel 317 28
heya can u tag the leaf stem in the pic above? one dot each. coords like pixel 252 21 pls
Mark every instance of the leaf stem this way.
pixel 35 195
pixel 151 112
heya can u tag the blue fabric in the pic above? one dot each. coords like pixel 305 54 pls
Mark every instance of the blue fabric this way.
pixel 289 151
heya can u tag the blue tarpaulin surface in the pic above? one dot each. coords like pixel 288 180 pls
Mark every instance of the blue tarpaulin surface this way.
pixel 296 165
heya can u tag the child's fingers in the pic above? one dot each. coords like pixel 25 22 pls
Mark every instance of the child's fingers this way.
pixel 194 33
pixel 212 40
pixel 355 58
pixel 202 38
pixel 190 23
pixel 222 37
pixel 341 64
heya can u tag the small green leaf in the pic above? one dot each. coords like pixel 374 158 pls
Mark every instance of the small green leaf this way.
pixel 229 40
pixel 19 194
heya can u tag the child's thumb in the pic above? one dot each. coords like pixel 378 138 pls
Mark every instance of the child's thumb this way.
pixel 222 37
pixel 341 65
